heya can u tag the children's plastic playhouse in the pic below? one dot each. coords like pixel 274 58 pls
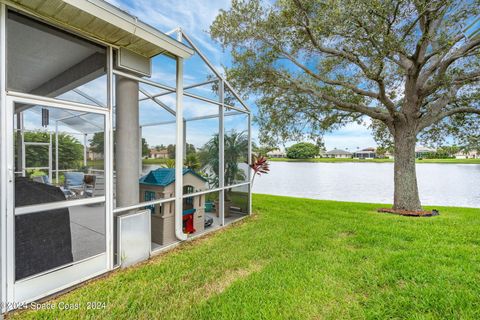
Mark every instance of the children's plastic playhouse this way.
pixel 160 183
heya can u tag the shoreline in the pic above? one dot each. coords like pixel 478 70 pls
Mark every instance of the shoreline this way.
pixel 349 160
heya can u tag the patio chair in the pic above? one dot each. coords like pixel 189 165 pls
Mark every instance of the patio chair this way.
pixel 45 180
pixel 41 179
pixel 74 182
pixel 97 187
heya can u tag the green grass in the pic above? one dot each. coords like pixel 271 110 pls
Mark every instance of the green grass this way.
pixel 155 161
pixel 303 259
pixel 334 160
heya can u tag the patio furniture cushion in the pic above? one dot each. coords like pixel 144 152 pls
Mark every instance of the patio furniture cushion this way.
pixel 42 179
pixel 42 239
pixel 73 179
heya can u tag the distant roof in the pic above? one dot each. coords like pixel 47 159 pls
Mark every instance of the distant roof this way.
pixel 337 151
pixel 424 149
pixel 365 151
pixel 276 151
pixel 465 152
pixel 165 176
pixel 162 151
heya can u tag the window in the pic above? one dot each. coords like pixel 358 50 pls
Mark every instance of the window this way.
pixel 188 201
pixel 149 196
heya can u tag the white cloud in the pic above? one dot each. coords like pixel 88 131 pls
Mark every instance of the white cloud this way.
pixel 194 16
pixel 350 137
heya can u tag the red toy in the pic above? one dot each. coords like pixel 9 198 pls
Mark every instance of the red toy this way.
pixel 188 221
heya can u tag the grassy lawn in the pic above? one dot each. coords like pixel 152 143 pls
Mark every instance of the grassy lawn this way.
pixel 303 259
pixel 155 161
pixel 334 160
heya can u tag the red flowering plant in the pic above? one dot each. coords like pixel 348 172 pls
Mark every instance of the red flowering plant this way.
pixel 259 166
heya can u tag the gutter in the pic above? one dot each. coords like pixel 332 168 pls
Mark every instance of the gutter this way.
pixel 131 24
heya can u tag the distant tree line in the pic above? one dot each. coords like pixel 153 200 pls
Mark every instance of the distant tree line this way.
pixel 97 144
pixel 70 150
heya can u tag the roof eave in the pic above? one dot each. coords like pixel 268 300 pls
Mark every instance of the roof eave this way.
pixel 131 24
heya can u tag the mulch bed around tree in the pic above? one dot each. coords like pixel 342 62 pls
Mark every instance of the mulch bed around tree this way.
pixel 407 213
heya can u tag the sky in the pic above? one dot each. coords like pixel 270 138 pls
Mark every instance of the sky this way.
pixel 195 17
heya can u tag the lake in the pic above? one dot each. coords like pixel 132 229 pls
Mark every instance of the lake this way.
pixel 439 184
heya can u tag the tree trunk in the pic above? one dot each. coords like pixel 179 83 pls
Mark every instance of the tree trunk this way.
pixel 405 176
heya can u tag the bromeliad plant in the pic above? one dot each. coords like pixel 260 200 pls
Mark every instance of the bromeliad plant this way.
pixel 259 166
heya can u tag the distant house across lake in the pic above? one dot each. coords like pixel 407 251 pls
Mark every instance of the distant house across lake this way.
pixel 367 153
pixel 158 154
pixel 472 154
pixel 422 152
pixel 277 153
pixel 338 153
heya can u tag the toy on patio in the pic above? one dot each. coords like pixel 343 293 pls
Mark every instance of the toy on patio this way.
pixel 160 184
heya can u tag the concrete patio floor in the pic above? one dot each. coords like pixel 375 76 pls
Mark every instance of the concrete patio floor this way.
pixel 87 225
pixel 215 225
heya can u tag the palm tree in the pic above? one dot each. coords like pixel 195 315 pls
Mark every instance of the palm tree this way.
pixel 236 152
pixel 169 163
pixel 192 161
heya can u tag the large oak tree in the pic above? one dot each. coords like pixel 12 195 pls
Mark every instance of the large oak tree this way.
pixel 411 66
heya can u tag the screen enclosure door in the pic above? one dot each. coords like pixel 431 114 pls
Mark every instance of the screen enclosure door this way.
pixel 56 227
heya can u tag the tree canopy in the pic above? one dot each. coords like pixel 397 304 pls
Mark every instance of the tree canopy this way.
pixel 70 150
pixel 97 144
pixel 319 64
pixel 412 67
pixel 303 150
pixel 171 150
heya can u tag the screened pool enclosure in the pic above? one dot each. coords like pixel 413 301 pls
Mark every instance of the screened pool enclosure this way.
pixel 90 96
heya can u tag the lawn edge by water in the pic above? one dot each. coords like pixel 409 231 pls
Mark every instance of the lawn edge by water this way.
pixel 341 160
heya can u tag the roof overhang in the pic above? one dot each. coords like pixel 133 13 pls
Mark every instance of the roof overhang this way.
pixel 100 20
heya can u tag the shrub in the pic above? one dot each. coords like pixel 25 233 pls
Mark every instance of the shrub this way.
pixel 303 150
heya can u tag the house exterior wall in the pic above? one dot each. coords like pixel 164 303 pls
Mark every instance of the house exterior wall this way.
pixel 162 154
pixel 276 154
pixel 468 155
pixel 365 155
pixel 338 156
pixel 191 180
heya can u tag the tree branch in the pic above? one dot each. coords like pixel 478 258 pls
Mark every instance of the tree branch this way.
pixel 375 113
pixel 442 64
pixel 435 109
pixel 429 25
pixel 403 62
pixel 353 58
pixel 448 113
pixel 431 87
pixel 347 85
